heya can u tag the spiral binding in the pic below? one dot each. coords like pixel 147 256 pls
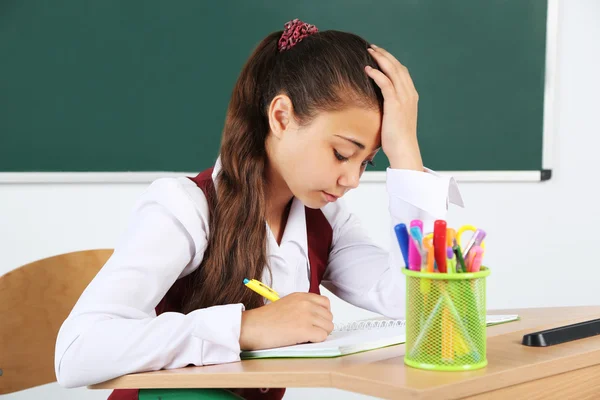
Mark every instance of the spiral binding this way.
pixel 369 324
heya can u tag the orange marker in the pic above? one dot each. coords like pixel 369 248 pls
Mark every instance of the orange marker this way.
pixel 428 246
pixel 450 235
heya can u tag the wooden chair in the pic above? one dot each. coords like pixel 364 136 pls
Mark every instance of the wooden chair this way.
pixel 35 299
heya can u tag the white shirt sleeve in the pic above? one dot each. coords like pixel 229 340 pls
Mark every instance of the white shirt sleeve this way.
pixel 364 274
pixel 113 329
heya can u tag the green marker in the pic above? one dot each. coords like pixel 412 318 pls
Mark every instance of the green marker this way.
pixel 460 261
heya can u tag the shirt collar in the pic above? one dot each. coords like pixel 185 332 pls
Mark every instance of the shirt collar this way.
pixel 216 170
pixel 295 229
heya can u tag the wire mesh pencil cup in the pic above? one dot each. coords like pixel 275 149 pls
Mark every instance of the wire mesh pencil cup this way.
pixel 446 320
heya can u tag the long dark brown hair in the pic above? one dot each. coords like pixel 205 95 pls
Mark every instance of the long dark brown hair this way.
pixel 323 72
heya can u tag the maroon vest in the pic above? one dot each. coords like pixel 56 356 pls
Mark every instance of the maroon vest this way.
pixel 319 238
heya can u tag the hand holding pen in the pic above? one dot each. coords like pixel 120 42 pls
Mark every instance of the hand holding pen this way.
pixel 292 319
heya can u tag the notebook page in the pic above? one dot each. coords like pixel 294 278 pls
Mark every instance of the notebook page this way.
pixel 356 336
pixel 338 343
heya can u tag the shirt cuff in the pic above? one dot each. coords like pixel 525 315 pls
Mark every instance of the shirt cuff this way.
pixel 219 328
pixel 427 190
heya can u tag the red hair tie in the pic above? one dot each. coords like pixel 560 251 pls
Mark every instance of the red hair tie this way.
pixel 295 31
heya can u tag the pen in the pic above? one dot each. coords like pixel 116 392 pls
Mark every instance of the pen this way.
pixel 402 236
pixel 439 244
pixel 261 289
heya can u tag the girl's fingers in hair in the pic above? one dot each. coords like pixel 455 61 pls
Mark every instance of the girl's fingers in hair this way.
pixel 395 62
pixel 395 69
pixel 391 70
pixel 384 83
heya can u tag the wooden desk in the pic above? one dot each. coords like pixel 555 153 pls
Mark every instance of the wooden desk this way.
pixel 570 370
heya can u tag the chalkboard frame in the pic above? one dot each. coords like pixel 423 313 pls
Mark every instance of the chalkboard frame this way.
pixel 549 131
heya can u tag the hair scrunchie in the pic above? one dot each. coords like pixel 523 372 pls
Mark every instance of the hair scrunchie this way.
pixel 295 31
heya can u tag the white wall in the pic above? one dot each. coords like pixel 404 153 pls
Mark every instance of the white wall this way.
pixel 540 235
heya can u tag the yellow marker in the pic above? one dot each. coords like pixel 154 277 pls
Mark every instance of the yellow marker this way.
pixel 262 289
pixel 447 336
pixel 460 347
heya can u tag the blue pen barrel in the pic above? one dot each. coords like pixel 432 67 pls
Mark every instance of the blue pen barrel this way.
pixel 446 325
pixel 402 236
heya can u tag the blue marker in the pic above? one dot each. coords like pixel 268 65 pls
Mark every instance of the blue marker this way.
pixel 402 236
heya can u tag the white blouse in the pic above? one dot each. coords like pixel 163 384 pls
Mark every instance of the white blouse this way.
pixel 113 329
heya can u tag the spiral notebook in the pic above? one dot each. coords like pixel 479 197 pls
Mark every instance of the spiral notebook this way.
pixel 354 337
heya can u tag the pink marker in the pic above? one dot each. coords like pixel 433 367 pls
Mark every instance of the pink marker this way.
pixel 469 259
pixel 477 258
pixel 414 255
pixel 417 222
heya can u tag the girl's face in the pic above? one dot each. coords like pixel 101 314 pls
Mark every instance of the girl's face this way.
pixel 321 161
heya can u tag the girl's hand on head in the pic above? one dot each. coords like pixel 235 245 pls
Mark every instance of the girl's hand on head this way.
pixel 400 105
pixel 296 318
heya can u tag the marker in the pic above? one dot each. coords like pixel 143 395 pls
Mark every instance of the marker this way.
pixel 426 266
pixel 460 262
pixel 415 246
pixel 262 289
pixel 469 260
pixel 417 234
pixel 417 222
pixel 429 257
pixel 447 333
pixel 450 235
pixel 477 258
pixel 439 244
pixel 402 236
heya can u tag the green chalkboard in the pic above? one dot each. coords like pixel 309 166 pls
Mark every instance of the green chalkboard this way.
pixel 117 85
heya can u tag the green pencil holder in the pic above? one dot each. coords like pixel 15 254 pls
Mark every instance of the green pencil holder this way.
pixel 446 320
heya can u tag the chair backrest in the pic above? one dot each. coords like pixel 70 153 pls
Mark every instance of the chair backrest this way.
pixel 35 299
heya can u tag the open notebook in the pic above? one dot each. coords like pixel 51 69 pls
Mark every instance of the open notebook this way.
pixel 354 337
